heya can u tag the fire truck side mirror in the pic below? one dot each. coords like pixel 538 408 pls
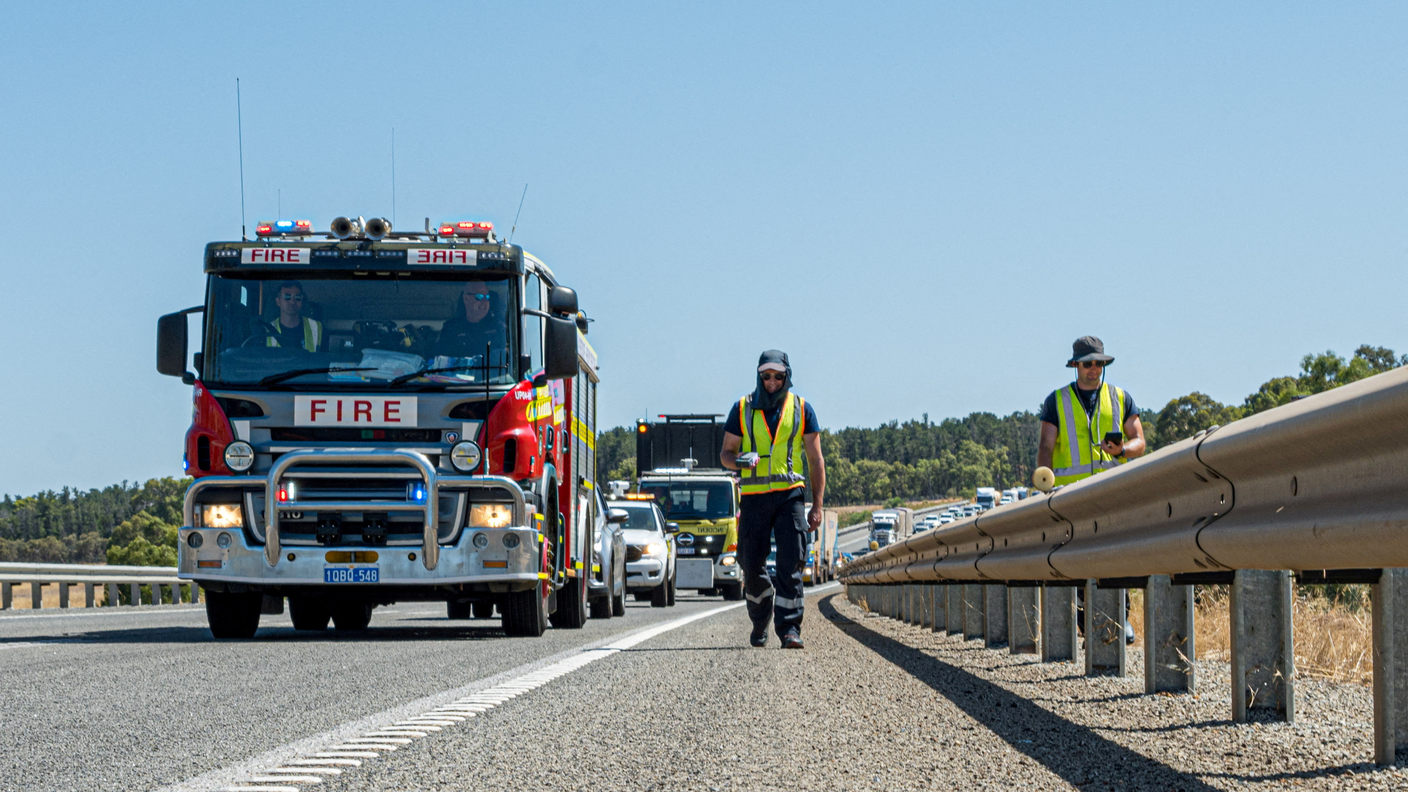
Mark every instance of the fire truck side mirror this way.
pixel 560 349
pixel 171 345
pixel 562 300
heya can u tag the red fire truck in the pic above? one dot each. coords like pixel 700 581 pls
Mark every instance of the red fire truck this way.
pixel 384 416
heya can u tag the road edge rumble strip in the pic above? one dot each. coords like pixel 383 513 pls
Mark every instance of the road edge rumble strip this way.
pixel 1077 754
pixel 346 747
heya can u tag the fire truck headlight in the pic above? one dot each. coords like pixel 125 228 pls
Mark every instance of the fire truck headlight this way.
pixel 490 515
pixel 195 539
pixel 480 541
pixel 239 456
pixel 511 540
pixel 465 456
pixel 221 515
pixel 224 539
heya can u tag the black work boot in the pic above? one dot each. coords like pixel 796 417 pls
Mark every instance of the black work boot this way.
pixel 759 637
pixel 792 639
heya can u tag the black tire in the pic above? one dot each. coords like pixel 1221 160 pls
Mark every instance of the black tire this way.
pixel 732 592
pixel 232 615
pixel 671 595
pixel 571 611
pixel 352 615
pixel 709 592
pixel 526 613
pixel 483 610
pixel 457 610
pixel 601 607
pixel 308 613
pixel 660 595
pixel 618 601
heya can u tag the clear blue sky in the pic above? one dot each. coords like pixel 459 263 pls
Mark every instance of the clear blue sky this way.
pixel 923 204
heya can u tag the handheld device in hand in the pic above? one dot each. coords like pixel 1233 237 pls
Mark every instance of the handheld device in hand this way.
pixel 1043 479
pixel 748 460
pixel 1114 437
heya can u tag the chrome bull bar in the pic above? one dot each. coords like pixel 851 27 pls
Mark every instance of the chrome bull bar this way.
pixel 430 509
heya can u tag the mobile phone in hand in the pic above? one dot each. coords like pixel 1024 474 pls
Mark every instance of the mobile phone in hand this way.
pixel 1114 437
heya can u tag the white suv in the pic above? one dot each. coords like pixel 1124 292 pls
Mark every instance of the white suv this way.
pixel 650 550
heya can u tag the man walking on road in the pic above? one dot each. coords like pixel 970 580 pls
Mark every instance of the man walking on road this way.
pixel 767 435
pixel 1089 425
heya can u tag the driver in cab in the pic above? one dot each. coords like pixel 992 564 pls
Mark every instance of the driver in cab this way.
pixel 292 329
pixel 467 332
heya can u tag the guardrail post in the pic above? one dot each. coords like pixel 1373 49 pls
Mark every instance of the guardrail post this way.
pixel 63 595
pixel 972 611
pixel 195 592
pixel 921 607
pixel 113 599
pixel 907 612
pixel 953 614
pixel 995 613
pixel 1263 662
pixel 134 592
pixel 1168 637
pixel 1104 630
pixel 7 596
pixel 89 600
pixel 1023 619
pixel 938 607
pixel 36 594
pixel 1390 597
pixel 1058 624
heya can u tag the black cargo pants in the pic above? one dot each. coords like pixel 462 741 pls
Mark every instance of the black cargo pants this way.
pixel 773 518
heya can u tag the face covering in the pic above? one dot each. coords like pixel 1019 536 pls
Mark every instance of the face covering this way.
pixel 762 400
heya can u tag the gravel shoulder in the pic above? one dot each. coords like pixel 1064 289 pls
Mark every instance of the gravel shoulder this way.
pixel 875 705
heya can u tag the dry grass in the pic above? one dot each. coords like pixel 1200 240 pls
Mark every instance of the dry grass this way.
pixel 1333 637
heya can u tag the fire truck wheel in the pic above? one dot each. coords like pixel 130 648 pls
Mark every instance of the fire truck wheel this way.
pixel 457 610
pixel 232 615
pixel 571 605
pixel 660 595
pixel 351 615
pixel 526 613
pixel 733 592
pixel 308 613
pixel 483 610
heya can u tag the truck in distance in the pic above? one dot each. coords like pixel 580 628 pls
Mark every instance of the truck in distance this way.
pixel 384 416
pixel 987 498
pixel 677 459
pixel 888 526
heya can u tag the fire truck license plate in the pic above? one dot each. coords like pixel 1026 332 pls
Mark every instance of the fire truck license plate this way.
pixel 351 574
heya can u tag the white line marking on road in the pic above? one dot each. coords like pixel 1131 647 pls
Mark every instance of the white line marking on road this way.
pixel 413 717
pixel 27 644
pixel 122 610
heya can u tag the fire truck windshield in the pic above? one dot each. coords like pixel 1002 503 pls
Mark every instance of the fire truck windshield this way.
pixel 359 332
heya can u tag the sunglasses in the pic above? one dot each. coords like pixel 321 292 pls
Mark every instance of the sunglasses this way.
pixel 773 375
pixel 477 296
pixel 1092 363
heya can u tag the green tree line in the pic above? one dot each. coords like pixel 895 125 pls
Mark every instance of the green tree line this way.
pixel 121 524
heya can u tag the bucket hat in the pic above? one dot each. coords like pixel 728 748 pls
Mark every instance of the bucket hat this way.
pixel 1088 348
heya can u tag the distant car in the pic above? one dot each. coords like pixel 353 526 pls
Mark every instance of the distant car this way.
pixel 1006 499
pixel 650 550
pixel 946 519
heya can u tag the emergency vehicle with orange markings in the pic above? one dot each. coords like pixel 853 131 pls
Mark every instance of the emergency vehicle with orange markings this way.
pixel 383 416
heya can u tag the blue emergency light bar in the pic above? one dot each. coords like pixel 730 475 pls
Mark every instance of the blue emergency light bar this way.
pixel 284 228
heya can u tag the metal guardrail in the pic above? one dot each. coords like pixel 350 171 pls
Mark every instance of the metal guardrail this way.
pixel 1317 489
pixel 91 577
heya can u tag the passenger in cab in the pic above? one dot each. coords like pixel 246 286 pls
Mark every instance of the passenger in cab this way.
pixel 292 329
pixel 473 325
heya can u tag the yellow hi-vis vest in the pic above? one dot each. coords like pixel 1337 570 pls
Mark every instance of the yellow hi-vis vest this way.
pixel 1078 453
pixel 312 334
pixel 775 471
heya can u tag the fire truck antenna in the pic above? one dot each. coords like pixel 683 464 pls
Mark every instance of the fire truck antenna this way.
pixel 393 177
pixel 239 126
pixel 519 212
